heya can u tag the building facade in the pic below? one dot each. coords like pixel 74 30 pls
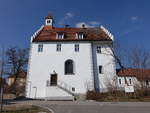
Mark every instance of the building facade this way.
pixel 69 61
pixel 138 78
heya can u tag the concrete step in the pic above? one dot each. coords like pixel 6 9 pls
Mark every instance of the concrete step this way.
pixel 67 98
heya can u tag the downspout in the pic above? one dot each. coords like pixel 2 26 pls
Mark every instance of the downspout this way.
pixel 94 66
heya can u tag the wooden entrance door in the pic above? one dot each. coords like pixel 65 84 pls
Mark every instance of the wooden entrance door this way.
pixel 53 79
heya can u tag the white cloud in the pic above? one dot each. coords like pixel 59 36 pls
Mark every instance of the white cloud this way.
pixel 88 24
pixel 81 23
pixel 130 30
pixel 94 23
pixel 134 18
pixel 67 16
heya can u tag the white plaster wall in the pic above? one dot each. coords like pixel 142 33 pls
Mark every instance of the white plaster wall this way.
pixel 106 59
pixel 43 64
pixel 55 91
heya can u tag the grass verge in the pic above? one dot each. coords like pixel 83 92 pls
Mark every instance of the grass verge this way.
pixel 31 109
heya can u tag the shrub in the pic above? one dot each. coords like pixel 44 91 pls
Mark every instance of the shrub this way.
pixel 139 95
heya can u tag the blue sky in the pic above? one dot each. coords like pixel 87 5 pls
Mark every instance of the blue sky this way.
pixel 128 20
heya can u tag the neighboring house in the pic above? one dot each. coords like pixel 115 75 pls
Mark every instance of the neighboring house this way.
pixel 135 77
pixel 69 61
pixel 21 79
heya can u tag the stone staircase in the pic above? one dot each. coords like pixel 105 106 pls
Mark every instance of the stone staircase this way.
pixel 61 91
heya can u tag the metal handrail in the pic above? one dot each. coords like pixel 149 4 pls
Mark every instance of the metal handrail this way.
pixel 62 84
pixel 65 86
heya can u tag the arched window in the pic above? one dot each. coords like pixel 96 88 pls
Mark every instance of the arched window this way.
pixel 69 67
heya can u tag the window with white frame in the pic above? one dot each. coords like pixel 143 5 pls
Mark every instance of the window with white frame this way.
pixel 40 48
pixel 100 68
pixel 58 47
pixel 99 49
pixel 60 35
pixel 76 47
pixel 80 35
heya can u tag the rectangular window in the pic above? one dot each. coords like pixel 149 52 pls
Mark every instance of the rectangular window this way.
pixel 73 89
pixel 60 35
pixel 100 69
pixel 40 48
pixel 98 49
pixel 147 83
pixel 130 81
pixel 58 48
pixel 120 81
pixel 76 47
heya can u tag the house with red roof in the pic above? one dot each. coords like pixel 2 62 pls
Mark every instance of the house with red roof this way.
pixel 20 79
pixel 65 62
pixel 133 77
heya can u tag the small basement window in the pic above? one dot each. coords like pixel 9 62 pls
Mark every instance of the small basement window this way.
pixel 58 48
pixel 40 48
pixel 99 49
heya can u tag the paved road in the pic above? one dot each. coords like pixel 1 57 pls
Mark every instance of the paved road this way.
pixel 94 107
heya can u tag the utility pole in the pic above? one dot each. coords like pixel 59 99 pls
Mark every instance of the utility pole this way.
pixel 1 75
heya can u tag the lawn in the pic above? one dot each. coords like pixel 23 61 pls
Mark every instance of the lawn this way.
pixel 25 109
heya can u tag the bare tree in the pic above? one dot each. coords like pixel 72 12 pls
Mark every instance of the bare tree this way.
pixel 1 77
pixel 120 55
pixel 139 58
pixel 17 59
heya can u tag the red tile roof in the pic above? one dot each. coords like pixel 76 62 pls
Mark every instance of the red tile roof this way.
pixel 141 74
pixel 48 33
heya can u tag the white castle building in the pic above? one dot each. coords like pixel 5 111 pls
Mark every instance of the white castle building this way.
pixel 69 61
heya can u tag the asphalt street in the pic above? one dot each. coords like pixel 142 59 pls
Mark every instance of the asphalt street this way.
pixel 94 107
